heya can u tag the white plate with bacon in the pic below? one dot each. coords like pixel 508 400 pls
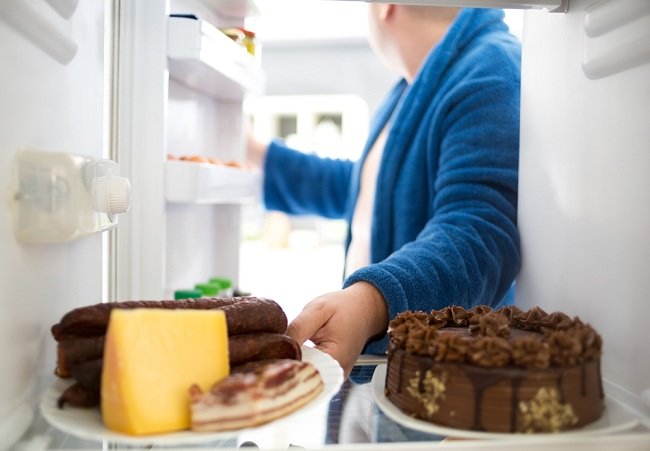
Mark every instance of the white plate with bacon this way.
pixel 87 423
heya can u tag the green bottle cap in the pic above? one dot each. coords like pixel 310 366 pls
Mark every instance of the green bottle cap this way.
pixel 187 294
pixel 208 289
pixel 222 282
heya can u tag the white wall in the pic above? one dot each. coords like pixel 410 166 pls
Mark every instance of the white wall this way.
pixel 345 66
pixel 325 55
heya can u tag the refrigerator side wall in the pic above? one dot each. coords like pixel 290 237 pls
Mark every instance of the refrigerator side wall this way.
pixel 52 97
pixel 584 193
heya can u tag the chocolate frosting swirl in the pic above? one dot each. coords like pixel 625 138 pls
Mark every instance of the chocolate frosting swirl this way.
pixel 592 342
pixel 400 327
pixel 456 316
pixel 450 348
pixel 511 312
pixel 566 348
pixel 553 339
pixel 532 319
pixel 556 321
pixel 490 324
pixel 530 352
pixel 416 341
pixel 476 312
pixel 440 317
pixel 490 352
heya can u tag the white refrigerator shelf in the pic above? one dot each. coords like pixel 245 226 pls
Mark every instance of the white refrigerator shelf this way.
pixel 233 8
pixel 205 183
pixel 202 57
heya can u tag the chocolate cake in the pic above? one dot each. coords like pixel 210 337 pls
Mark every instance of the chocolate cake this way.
pixel 503 370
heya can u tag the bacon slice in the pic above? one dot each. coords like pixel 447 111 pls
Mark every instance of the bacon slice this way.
pixel 255 394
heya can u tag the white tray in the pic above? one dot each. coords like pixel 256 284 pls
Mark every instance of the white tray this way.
pixel 87 423
pixel 205 183
pixel 615 418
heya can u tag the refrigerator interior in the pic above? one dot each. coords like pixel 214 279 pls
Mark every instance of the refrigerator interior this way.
pixel 205 118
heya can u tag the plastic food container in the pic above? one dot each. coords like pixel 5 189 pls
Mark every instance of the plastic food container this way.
pixel 245 38
pixel 250 41
pixel 236 34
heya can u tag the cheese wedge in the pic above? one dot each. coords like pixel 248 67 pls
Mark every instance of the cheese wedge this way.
pixel 151 358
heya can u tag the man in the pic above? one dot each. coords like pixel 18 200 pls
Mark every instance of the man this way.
pixel 432 202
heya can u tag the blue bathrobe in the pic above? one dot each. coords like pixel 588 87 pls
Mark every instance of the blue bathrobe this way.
pixel 444 220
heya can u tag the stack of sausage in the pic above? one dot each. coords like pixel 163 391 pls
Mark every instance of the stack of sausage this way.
pixel 256 329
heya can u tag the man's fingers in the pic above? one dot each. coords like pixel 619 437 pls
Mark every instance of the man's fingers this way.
pixel 302 329
pixel 296 331
pixel 305 325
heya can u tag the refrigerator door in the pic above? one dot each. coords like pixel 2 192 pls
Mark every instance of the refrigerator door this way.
pixel 53 97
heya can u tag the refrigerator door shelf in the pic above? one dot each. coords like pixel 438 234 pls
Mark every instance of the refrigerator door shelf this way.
pixel 206 60
pixel 228 8
pixel 204 183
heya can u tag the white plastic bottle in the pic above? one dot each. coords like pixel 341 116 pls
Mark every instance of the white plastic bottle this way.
pixel 58 197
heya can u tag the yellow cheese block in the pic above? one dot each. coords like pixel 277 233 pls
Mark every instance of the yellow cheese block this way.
pixel 151 358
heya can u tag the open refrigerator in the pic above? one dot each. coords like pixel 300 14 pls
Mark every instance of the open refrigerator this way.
pixel 123 84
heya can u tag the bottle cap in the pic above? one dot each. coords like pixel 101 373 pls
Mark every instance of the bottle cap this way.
pixel 119 195
pixel 222 282
pixel 208 289
pixel 111 194
pixel 187 294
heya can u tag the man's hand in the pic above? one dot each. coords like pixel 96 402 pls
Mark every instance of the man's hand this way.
pixel 340 323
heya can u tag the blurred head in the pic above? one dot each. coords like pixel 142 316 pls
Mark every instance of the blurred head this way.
pixel 403 35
